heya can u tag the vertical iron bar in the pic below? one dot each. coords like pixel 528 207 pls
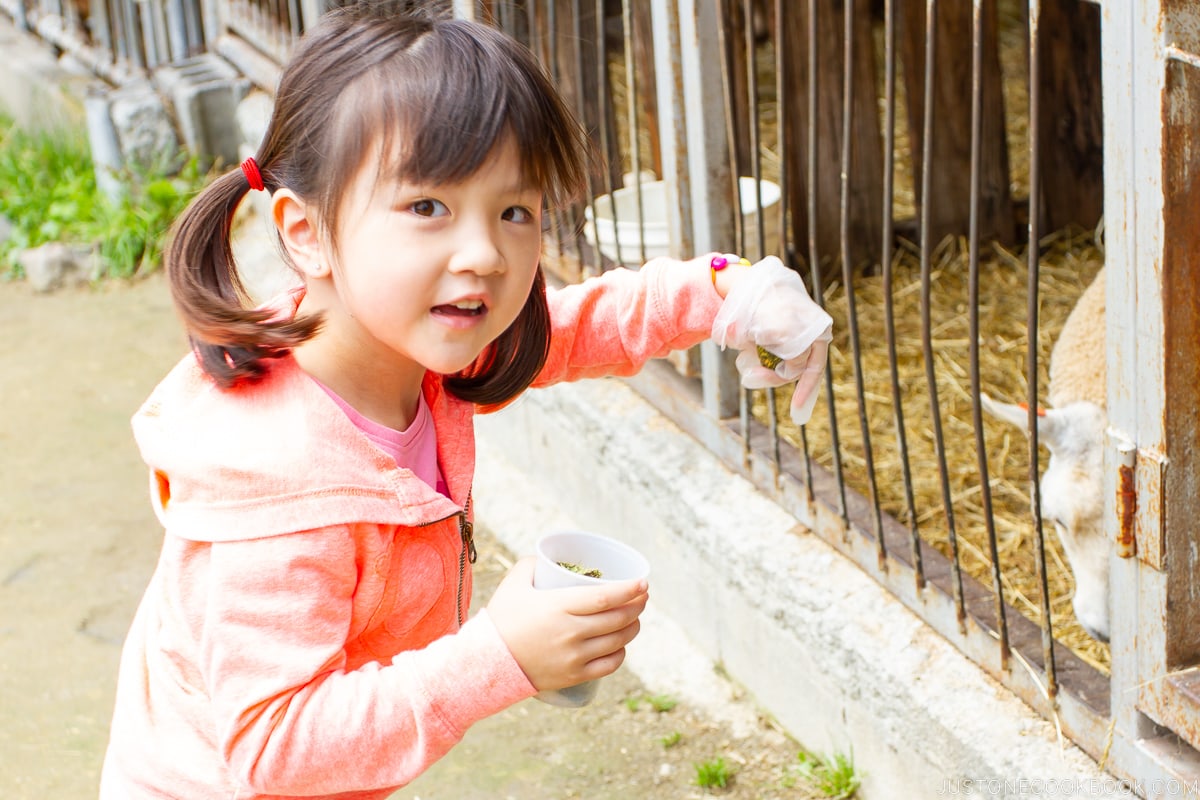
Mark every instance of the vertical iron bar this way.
pixel 847 157
pixel 787 247
pixel 580 107
pixel 814 256
pixel 926 322
pixel 735 169
pixel 973 323
pixel 604 101
pixel 889 321
pixel 759 216
pixel 631 105
pixel 559 217
pixel 755 154
pixel 728 65
pixel 1032 360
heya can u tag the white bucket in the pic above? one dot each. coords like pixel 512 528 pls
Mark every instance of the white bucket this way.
pixel 655 233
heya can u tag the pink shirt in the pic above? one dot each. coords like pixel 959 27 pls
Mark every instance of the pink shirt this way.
pixel 305 631
pixel 415 447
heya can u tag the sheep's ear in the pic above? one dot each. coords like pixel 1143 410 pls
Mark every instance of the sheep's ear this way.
pixel 1013 414
pixel 1059 429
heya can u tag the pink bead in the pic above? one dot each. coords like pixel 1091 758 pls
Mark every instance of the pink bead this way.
pixel 719 263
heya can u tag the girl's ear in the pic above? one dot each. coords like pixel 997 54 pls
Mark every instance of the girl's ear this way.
pixel 299 232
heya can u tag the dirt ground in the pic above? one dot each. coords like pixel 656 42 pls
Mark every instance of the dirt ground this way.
pixel 78 542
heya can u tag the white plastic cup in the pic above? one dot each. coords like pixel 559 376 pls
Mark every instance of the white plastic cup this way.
pixel 616 561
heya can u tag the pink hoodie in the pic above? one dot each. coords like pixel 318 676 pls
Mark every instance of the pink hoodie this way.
pixel 304 633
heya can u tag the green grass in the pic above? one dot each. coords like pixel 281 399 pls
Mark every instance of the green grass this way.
pixel 833 777
pixel 714 774
pixel 662 703
pixel 48 192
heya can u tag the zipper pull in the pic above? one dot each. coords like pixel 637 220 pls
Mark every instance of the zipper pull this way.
pixel 467 531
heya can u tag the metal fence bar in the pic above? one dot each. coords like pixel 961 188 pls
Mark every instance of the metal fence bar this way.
pixel 977 31
pixel 1032 356
pixel 814 255
pixel 888 267
pixel 848 60
pixel 632 88
pixel 935 412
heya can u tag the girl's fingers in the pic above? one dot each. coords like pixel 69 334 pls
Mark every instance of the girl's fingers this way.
pixel 600 646
pixel 590 600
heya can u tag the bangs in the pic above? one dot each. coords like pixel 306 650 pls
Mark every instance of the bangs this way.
pixel 435 111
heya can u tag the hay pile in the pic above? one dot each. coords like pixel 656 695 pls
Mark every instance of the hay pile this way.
pixel 1069 263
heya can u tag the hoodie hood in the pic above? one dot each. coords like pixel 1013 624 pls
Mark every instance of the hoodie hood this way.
pixel 277 456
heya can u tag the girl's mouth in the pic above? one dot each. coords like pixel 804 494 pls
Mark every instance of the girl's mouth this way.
pixel 463 308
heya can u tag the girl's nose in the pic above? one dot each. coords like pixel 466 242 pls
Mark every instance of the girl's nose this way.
pixel 478 253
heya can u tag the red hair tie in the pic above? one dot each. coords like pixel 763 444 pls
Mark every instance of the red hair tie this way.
pixel 250 170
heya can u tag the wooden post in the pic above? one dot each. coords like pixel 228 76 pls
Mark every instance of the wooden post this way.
pixel 1071 139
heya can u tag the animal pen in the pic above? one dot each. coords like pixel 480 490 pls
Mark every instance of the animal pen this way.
pixel 902 155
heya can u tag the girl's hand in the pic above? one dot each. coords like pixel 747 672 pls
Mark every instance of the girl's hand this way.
pixel 562 637
pixel 767 308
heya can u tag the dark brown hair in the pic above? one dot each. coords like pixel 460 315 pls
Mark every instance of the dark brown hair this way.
pixel 433 98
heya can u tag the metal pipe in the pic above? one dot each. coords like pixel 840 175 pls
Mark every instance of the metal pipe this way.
pixel 935 411
pixel 973 323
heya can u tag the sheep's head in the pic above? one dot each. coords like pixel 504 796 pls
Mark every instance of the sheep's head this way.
pixel 1072 497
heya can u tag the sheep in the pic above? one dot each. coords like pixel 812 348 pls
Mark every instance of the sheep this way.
pixel 1073 429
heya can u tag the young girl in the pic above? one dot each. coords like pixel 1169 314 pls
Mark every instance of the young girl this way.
pixel 305 632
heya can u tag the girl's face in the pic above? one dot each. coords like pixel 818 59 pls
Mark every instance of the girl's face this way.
pixel 429 275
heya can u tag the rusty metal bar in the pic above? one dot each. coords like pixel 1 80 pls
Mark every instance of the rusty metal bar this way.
pixel 848 278
pixel 886 257
pixel 977 21
pixel 926 322
pixel 814 256
pixel 1031 357
pixel 787 248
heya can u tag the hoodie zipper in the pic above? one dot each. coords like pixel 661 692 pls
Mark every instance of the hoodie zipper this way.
pixel 466 531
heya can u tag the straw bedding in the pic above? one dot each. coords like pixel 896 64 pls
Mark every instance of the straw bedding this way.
pixel 1069 261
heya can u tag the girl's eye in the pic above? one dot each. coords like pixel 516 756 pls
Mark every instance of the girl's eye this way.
pixel 429 208
pixel 518 214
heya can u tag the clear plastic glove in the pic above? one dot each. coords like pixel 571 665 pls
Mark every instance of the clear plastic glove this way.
pixel 769 309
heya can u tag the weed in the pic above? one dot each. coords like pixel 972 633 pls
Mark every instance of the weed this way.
pixel 633 703
pixel 713 774
pixel 48 192
pixel 670 740
pixel 662 703
pixel 833 777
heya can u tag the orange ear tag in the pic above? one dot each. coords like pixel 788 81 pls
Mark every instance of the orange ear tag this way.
pixel 1041 412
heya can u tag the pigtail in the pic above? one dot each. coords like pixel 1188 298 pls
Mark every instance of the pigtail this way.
pixel 230 338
